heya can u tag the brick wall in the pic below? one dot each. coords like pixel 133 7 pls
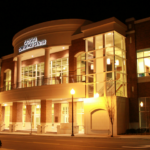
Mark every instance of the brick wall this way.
pixel 17 111
pixel 7 64
pixel 132 75
pixel 46 111
pixel 77 46
pixel 142 35
pixel 144 89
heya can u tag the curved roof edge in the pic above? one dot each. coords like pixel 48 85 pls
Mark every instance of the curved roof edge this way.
pixel 51 23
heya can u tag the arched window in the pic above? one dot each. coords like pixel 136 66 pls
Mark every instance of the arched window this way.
pixel 7 80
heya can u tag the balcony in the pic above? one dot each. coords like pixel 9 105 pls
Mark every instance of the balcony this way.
pixel 43 89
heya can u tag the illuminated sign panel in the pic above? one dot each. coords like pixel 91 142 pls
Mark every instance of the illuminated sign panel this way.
pixel 31 43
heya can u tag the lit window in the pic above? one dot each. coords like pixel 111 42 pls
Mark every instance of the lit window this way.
pixel 143 63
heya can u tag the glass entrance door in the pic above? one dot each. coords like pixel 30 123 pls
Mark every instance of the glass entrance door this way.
pixel 64 113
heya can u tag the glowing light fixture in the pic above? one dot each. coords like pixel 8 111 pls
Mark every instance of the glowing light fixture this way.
pixel 72 91
pixel 64 68
pixel 63 47
pixel 37 106
pixel 32 55
pixel 117 62
pixel 92 66
pixel 109 33
pixel 5 104
pixel 141 104
pixel 147 62
pixel 108 61
pixel 96 95
pixel 80 99
pixel 25 106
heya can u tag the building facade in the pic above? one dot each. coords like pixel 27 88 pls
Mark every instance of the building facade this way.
pixel 107 63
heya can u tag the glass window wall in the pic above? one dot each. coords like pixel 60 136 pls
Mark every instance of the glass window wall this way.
pixel 106 62
pixel 33 75
pixel 59 71
pixel 143 63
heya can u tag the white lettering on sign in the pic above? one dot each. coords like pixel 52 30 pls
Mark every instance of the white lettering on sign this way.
pixel 30 43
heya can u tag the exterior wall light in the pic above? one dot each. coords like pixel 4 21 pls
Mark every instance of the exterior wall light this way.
pixel 96 95
pixel 141 104
pixel 92 66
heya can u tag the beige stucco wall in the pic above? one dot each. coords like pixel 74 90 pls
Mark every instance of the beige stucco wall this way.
pixel 101 119
pixel 57 91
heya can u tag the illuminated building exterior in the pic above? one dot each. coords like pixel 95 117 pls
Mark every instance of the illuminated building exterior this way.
pixel 97 60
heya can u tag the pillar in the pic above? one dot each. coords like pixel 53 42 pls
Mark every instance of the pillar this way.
pixel 28 117
pixel 10 114
pixel 57 113
pixel 17 110
pixel 74 112
pixel 46 65
pixel 19 71
pixel 2 115
pixel 46 115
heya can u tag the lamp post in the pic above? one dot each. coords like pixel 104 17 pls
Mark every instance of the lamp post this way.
pixel 72 93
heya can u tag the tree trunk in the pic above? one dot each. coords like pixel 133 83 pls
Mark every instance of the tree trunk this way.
pixel 112 130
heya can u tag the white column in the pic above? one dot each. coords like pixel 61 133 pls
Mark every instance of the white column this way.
pixel 46 65
pixel 19 71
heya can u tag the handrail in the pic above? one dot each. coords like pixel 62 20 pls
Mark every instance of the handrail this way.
pixel 43 81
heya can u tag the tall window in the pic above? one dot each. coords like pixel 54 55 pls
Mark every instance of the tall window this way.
pixel 32 75
pixel 80 68
pixel 143 63
pixel 7 80
pixel 58 71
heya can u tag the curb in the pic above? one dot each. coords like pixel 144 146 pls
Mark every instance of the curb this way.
pixel 78 136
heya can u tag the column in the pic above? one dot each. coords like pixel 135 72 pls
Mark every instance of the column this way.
pixel 46 115
pixel 74 113
pixel 46 65
pixel 28 117
pixel 2 114
pixel 19 71
pixel 17 110
pixel 104 66
pixel 15 75
pixel 57 115
pixel 10 121
pixel 57 112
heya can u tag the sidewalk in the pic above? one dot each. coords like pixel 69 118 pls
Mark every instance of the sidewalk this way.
pixel 81 135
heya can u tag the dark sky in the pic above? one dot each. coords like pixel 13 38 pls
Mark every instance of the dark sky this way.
pixel 16 15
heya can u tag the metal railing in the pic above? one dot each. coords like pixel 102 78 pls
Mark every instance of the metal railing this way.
pixel 43 81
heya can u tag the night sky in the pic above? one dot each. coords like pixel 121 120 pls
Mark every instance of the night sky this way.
pixel 16 15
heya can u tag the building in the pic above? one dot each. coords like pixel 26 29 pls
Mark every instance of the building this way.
pixel 107 63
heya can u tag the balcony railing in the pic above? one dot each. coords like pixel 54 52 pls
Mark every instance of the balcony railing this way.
pixel 44 81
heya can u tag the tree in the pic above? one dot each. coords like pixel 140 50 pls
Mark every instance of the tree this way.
pixel 29 113
pixel 110 107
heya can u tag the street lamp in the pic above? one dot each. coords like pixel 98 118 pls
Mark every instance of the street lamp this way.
pixel 72 93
